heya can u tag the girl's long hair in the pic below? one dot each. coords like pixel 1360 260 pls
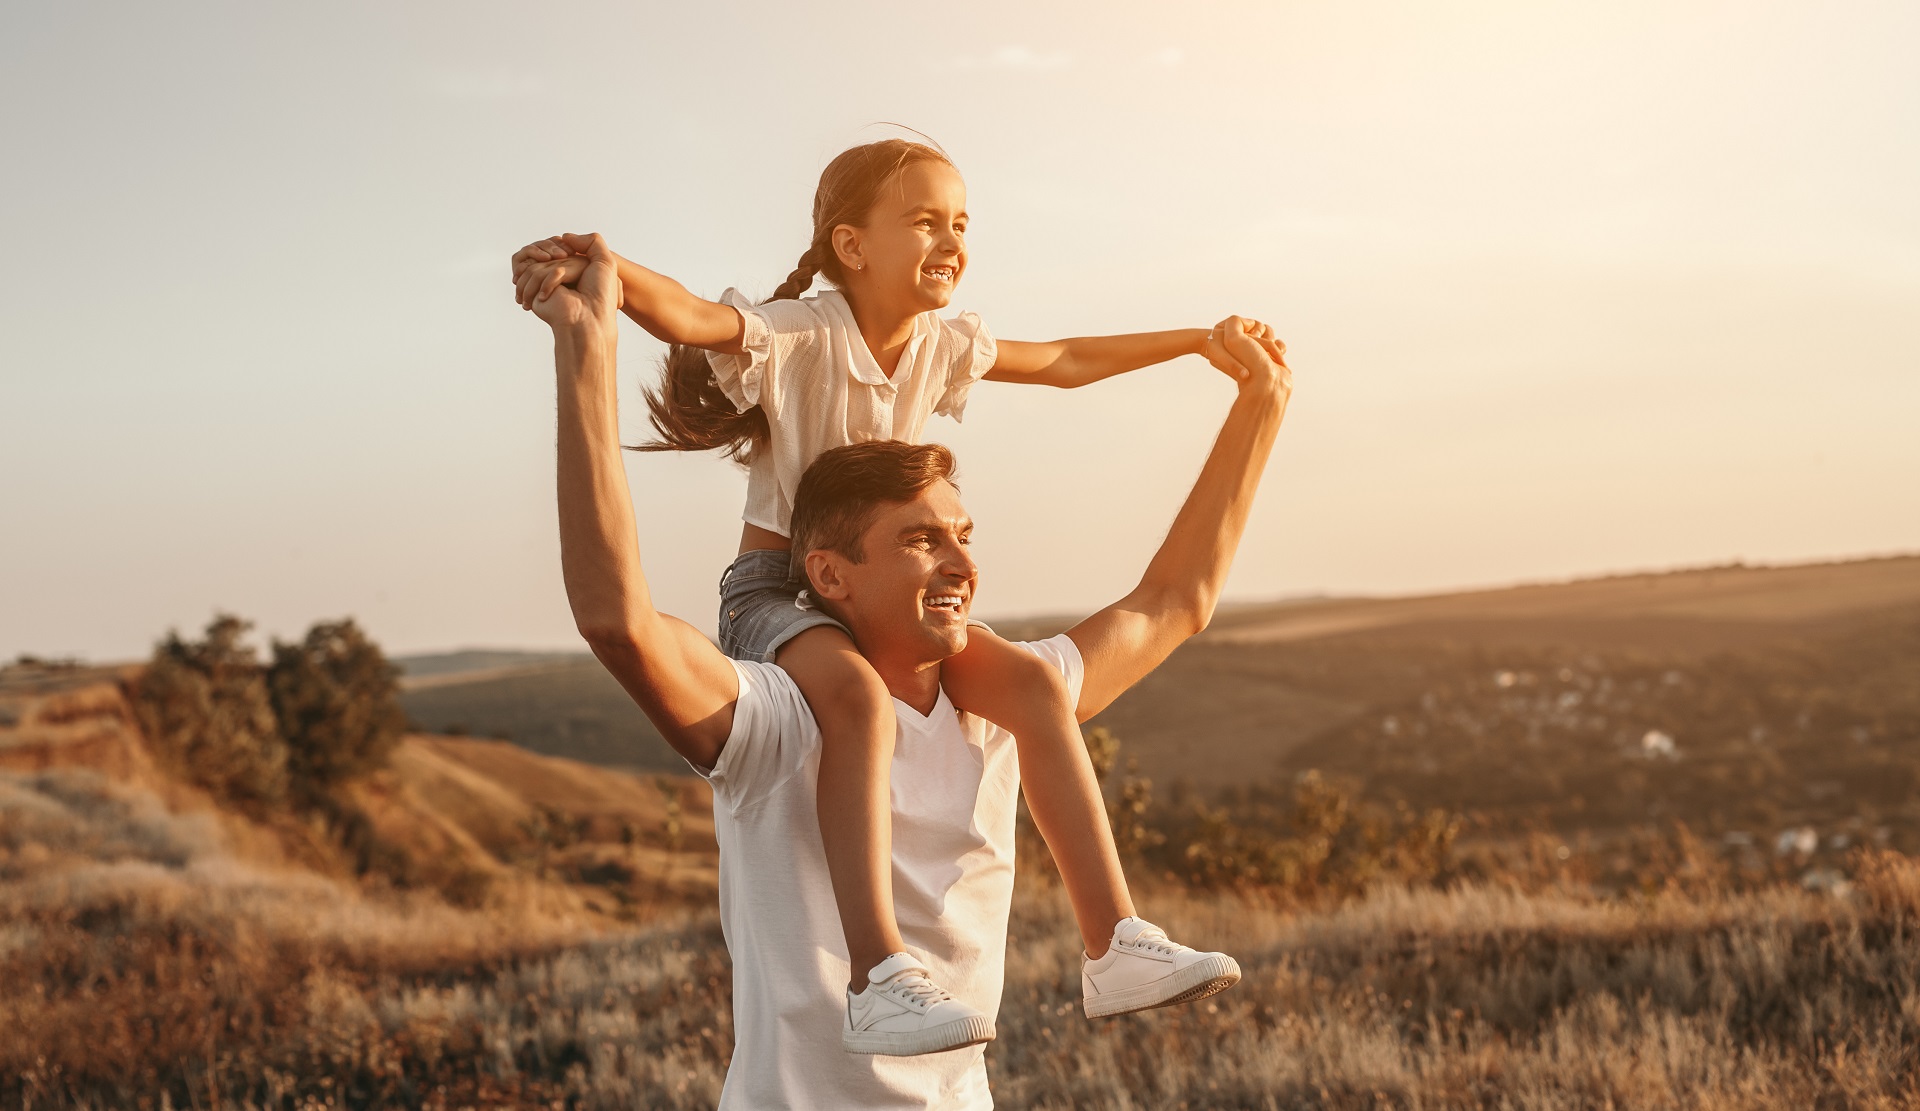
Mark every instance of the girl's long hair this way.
pixel 688 409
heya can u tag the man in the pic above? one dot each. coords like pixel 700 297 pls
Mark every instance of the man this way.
pixel 883 538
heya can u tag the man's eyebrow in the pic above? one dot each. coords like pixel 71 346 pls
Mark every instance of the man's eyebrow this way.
pixel 964 524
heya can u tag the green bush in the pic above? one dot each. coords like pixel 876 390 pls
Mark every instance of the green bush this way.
pixel 205 709
pixel 337 699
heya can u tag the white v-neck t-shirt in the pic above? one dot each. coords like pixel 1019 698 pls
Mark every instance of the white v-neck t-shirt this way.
pixel 809 369
pixel 955 779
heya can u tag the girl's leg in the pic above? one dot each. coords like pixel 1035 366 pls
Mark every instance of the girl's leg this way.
pixel 855 713
pixel 1026 696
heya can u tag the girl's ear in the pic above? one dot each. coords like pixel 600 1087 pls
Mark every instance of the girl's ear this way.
pixel 846 246
pixel 826 571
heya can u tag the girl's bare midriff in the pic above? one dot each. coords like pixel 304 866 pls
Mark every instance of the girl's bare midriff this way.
pixel 753 538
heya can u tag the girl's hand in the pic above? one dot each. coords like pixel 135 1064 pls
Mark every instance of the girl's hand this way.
pixel 551 249
pixel 536 281
pixel 1218 353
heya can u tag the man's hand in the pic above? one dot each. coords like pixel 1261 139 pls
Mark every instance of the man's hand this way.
pixel 551 249
pixel 1261 358
pixel 1226 358
pixel 595 297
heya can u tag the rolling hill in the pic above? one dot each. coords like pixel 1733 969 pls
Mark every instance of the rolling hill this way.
pixel 1789 695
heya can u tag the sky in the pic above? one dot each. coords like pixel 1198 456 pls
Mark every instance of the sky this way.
pixel 1567 289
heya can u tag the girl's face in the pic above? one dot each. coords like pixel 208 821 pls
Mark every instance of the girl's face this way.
pixel 913 250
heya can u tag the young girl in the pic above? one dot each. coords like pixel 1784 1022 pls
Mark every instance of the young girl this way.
pixel 775 384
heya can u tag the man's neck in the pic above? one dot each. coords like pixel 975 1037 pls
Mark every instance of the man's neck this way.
pixel 914 682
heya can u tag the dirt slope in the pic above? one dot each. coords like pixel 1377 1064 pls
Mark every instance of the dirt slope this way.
pixel 484 821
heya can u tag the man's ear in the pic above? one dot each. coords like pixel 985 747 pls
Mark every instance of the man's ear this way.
pixel 827 574
pixel 846 245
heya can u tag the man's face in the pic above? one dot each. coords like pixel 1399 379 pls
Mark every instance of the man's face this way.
pixel 911 595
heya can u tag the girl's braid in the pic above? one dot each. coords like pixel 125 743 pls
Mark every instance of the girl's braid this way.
pixel 801 279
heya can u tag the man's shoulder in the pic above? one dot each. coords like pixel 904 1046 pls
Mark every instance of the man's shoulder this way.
pixel 772 731
pixel 770 696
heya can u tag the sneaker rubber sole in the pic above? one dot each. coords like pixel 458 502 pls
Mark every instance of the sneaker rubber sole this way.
pixel 1196 981
pixel 911 1043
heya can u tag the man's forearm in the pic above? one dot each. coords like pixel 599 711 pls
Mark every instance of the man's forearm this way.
pixel 1176 597
pixel 599 552
pixel 1191 567
pixel 675 675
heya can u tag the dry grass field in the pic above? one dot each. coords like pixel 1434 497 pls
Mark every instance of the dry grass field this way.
pixel 1620 844
pixel 151 968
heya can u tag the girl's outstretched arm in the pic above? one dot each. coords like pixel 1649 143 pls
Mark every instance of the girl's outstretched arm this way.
pixel 654 301
pixel 1075 362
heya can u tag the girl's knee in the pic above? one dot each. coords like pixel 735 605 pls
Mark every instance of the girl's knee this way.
pixel 844 692
pixel 1034 677
pixel 1001 681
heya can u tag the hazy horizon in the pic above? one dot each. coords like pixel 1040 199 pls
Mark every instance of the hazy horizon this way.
pixel 1567 291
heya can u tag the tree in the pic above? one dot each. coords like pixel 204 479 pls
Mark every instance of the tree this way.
pixel 205 708
pixel 337 699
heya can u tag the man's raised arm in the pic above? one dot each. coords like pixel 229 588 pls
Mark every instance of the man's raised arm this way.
pixel 1176 596
pixel 684 684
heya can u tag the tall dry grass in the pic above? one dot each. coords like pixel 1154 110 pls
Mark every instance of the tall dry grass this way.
pixel 147 967
pixel 1491 997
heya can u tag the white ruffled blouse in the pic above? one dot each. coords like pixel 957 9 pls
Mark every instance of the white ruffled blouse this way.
pixel 806 364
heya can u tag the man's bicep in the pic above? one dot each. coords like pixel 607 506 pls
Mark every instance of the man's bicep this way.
pixel 685 686
pixel 1118 647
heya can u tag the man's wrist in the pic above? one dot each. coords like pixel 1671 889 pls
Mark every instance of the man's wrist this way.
pixel 586 338
pixel 1263 388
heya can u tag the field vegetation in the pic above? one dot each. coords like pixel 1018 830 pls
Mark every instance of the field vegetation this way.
pixel 153 968
pixel 1510 865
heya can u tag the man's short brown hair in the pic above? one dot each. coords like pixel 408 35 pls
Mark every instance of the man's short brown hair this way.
pixel 844 488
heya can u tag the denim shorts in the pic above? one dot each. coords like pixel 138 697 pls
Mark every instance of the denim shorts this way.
pixel 761 607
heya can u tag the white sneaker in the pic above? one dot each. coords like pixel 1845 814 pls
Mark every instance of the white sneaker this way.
pixel 902 1012
pixel 1143 969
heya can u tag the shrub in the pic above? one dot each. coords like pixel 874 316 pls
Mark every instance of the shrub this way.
pixel 205 709
pixel 337 699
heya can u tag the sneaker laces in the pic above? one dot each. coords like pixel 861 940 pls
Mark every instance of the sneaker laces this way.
pixel 917 989
pixel 1155 938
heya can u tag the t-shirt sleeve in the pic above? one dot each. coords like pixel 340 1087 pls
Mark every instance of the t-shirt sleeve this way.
pixel 774 337
pixel 1064 655
pixel 773 733
pixel 973 352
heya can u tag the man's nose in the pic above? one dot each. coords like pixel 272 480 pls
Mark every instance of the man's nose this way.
pixel 958 561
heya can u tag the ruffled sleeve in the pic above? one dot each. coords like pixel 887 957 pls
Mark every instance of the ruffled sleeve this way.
pixel 974 356
pixel 740 376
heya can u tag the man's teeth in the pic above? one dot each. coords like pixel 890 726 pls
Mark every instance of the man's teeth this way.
pixel 942 601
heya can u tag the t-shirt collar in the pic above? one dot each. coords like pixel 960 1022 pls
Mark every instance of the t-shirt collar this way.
pixel 911 718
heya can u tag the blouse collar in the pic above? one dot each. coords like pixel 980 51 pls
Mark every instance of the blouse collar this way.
pixel 865 368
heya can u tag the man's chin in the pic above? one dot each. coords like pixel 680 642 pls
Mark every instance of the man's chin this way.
pixel 946 640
